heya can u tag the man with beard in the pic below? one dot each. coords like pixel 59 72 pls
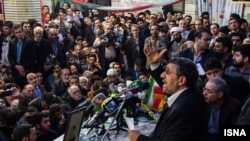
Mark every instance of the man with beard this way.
pixel 223 46
pixel 177 39
pixel 60 86
pixel 241 60
pixel 237 38
pixel 74 97
pixel 42 123
pixel 43 49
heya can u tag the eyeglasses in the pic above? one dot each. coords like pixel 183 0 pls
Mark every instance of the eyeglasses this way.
pixel 208 91
pixel 168 72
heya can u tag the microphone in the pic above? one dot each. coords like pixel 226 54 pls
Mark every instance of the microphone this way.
pixel 84 103
pixel 97 100
pixel 111 104
pixel 95 103
pixel 117 88
pixel 135 87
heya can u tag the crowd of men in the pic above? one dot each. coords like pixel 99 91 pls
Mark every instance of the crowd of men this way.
pixel 49 68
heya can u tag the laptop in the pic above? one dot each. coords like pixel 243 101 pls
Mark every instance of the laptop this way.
pixel 74 124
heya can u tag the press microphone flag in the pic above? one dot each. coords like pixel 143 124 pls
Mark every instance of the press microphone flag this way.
pixel 97 100
pixel 135 87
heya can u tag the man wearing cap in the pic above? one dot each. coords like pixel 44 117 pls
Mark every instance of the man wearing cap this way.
pixel 185 32
pixel 176 41
pixel 112 78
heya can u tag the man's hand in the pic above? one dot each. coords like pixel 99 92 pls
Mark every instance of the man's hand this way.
pixel 152 54
pixel 47 67
pixel 133 135
pixel 21 70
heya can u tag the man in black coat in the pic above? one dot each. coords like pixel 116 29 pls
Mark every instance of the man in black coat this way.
pixel 222 108
pixel 21 56
pixel 184 116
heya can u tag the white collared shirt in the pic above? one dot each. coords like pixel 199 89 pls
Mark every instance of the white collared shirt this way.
pixel 173 97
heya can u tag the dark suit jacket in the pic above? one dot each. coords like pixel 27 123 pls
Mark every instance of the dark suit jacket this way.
pixel 42 88
pixel 27 59
pixel 90 35
pixel 184 120
pixel 59 88
pixel 61 54
pixel 42 51
pixel 229 111
pixel 245 113
pixel 131 50
pixel 189 53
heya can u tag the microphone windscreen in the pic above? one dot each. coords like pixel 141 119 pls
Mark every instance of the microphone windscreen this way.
pixel 99 97
pixel 145 85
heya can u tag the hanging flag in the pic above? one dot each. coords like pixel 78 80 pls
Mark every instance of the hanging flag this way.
pixel 136 7
pixel 155 98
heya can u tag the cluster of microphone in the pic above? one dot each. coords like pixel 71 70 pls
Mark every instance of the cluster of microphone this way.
pixel 109 105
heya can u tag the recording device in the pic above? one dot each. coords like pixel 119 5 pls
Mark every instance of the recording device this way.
pixel 84 103
pixel 50 60
pixel 111 104
pixel 98 117
pixel 109 39
pixel 7 92
pixel 135 87
pixel 117 88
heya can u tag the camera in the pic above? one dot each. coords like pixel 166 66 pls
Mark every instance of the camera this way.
pixel 4 93
pixel 50 60
pixel 109 39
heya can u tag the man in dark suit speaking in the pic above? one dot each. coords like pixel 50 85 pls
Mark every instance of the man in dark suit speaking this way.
pixel 184 116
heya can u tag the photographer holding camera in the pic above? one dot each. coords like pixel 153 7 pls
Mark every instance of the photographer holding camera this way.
pixel 108 47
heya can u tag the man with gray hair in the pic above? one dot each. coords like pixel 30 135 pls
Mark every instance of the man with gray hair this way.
pixel 222 110
pixel 43 49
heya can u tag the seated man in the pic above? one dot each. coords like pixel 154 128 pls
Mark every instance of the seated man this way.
pixel 238 87
pixel 32 80
pixel 75 97
pixel 222 108
pixel 29 92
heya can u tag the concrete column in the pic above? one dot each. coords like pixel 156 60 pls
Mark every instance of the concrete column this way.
pixel 191 8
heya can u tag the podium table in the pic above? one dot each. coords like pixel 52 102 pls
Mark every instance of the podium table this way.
pixel 144 127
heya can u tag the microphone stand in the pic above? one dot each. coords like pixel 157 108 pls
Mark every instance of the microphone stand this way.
pixel 115 117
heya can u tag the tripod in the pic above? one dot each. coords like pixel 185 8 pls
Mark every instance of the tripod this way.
pixel 118 122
